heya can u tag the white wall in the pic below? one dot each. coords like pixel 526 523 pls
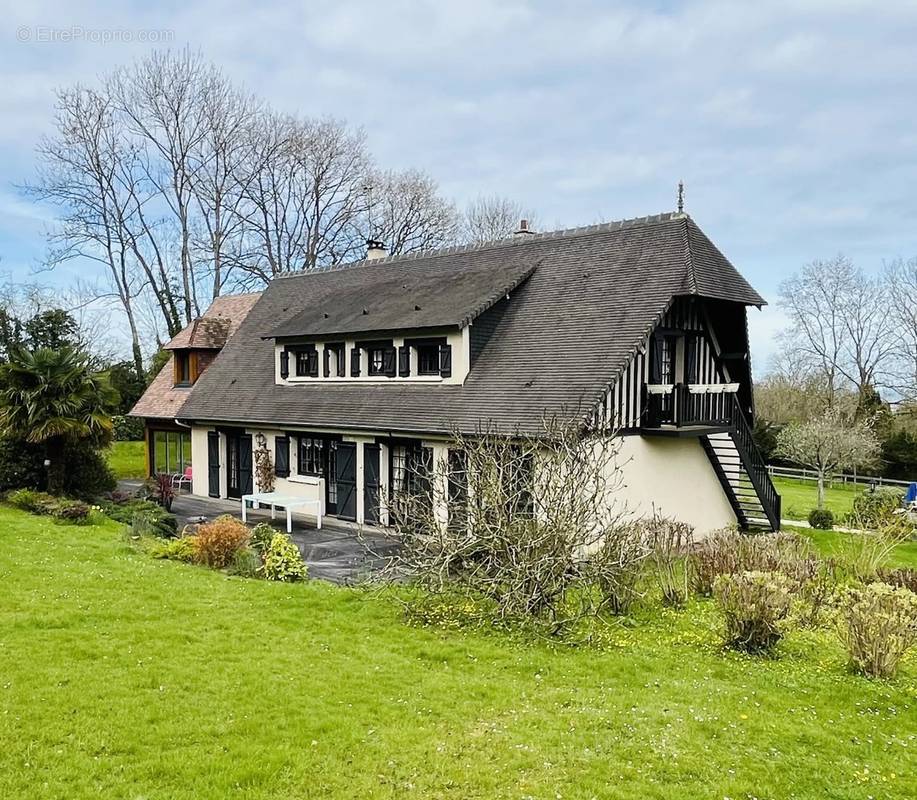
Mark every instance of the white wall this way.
pixel 673 475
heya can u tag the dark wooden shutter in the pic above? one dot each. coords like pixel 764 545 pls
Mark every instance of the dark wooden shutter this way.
pixel 371 484
pixel 355 362
pixel 445 360
pixel 327 365
pixel 388 362
pixel 284 363
pixel 313 363
pixel 404 361
pixel 282 456
pixel 245 464
pixel 213 464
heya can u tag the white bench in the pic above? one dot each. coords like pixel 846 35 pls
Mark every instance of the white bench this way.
pixel 287 502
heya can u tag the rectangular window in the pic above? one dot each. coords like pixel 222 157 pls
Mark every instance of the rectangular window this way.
pixel 377 361
pixel 182 369
pixel 171 452
pixel 302 363
pixel 311 452
pixel 334 361
pixel 428 359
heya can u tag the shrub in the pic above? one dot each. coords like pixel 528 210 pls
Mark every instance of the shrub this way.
pixel 73 511
pixel 21 464
pixel 159 521
pixel 127 429
pixel 878 624
pixel 718 554
pixel 261 537
pixel 873 549
pixel 876 508
pixel 615 568
pixel 755 605
pixel 246 563
pixel 183 549
pixel 28 500
pixel 669 542
pixel 282 560
pixel 821 519
pixel 86 472
pixel 218 541
pixel 903 577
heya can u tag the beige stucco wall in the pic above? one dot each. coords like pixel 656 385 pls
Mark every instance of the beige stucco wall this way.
pixel 674 476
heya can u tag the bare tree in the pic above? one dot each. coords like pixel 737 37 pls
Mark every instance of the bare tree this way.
pixel 82 171
pixel 901 294
pixel 165 100
pixel 839 326
pixel 489 218
pixel 515 520
pixel 407 213
pixel 827 444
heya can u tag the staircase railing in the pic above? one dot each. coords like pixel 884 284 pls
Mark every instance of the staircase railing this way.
pixel 754 463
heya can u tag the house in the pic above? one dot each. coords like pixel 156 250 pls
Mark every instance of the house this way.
pixel 352 375
pixel 191 352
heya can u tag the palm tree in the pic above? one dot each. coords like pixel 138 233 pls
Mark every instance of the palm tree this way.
pixel 53 397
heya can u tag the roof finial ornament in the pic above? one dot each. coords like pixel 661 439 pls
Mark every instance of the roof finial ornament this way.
pixel 681 197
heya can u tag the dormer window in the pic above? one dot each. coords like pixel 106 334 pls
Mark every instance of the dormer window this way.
pixel 428 359
pixel 182 375
pixel 334 361
pixel 377 361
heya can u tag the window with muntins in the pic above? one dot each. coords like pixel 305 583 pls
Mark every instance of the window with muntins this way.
pixel 377 361
pixel 428 359
pixel 302 363
pixel 311 453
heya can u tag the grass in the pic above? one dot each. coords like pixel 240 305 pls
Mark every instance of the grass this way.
pixel 799 497
pixel 127 460
pixel 843 546
pixel 123 676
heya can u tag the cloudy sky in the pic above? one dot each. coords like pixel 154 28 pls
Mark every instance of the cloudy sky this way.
pixel 792 123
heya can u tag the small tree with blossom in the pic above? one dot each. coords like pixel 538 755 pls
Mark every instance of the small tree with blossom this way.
pixel 828 444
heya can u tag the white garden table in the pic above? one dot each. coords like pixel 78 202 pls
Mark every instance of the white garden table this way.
pixel 287 502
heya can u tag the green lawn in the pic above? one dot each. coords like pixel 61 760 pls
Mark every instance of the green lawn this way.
pixel 126 677
pixel 800 497
pixel 127 459
pixel 843 546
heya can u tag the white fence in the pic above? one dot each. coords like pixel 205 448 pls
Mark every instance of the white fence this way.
pixel 811 475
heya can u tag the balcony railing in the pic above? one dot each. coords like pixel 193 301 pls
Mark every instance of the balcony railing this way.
pixel 682 404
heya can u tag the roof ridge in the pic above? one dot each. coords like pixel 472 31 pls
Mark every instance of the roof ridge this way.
pixel 689 256
pixel 507 241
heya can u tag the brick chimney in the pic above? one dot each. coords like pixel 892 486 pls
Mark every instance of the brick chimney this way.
pixel 523 229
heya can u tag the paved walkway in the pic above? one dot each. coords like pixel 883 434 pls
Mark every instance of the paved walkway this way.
pixel 341 552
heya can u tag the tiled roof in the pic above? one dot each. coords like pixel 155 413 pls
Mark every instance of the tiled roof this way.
pixel 211 330
pixel 162 399
pixel 554 346
pixel 386 297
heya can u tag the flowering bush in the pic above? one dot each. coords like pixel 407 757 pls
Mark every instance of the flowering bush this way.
pixel 874 509
pixel 878 624
pixel 282 560
pixel 219 541
pixel 755 605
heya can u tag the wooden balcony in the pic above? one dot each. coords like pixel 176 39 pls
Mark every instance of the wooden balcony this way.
pixel 689 409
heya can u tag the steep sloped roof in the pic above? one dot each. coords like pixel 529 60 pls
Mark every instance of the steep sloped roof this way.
pixel 389 298
pixel 554 345
pixel 162 399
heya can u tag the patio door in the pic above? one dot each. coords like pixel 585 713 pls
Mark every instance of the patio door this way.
pixel 239 478
pixel 345 479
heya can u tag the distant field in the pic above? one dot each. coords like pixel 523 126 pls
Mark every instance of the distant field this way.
pixel 127 460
